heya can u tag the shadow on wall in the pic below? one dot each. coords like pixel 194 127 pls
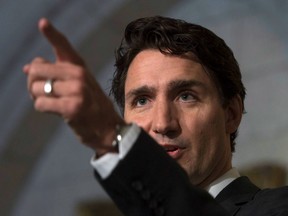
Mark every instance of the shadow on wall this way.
pixel 89 208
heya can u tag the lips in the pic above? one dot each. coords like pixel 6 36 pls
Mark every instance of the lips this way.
pixel 173 150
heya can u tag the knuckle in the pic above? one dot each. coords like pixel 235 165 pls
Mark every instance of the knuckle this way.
pixel 33 88
pixel 38 104
pixel 78 87
pixel 79 73
pixel 33 70
pixel 36 64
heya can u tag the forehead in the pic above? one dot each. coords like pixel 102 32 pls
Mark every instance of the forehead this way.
pixel 152 68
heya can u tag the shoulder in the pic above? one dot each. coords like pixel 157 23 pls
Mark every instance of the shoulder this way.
pixel 242 197
pixel 270 202
pixel 276 196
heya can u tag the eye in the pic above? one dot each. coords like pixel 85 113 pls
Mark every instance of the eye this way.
pixel 187 97
pixel 142 101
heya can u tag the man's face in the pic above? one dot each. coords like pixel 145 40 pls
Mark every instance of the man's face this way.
pixel 175 101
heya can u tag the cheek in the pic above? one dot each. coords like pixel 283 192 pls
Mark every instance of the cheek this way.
pixel 195 125
pixel 211 124
pixel 206 132
pixel 212 141
pixel 141 120
pixel 211 135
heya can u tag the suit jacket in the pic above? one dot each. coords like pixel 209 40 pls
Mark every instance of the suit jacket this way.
pixel 149 182
pixel 241 197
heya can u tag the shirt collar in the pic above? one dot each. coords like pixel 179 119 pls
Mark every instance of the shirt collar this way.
pixel 220 183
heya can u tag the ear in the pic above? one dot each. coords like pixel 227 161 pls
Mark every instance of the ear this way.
pixel 234 111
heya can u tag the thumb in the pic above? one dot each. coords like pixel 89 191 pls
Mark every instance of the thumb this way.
pixel 62 48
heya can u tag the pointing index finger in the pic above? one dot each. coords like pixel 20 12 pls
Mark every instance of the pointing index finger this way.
pixel 62 48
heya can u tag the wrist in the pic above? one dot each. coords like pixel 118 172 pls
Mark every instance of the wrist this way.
pixel 116 137
pixel 121 130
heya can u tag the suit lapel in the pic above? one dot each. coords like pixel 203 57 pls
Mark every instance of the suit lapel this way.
pixel 236 194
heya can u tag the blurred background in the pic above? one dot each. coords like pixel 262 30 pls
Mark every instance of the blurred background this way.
pixel 43 168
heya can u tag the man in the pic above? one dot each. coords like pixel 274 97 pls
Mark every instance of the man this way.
pixel 179 83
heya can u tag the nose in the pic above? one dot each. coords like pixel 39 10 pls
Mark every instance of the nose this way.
pixel 165 119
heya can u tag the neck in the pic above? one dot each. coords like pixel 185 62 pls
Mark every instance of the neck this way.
pixel 220 183
pixel 213 176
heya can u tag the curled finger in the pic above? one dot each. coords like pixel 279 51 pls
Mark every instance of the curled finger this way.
pixel 67 107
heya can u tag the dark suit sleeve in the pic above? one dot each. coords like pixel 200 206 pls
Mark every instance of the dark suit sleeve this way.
pixel 149 182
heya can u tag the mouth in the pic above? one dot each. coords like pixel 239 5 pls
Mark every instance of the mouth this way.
pixel 173 150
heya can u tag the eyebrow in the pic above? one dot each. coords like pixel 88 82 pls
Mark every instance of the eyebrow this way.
pixel 145 89
pixel 173 85
pixel 180 84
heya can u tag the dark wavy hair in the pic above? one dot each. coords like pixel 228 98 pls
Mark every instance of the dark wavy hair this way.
pixel 177 37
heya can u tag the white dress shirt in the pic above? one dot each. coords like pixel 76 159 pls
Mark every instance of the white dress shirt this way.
pixel 220 183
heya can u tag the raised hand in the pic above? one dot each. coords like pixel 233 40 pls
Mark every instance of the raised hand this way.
pixel 75 94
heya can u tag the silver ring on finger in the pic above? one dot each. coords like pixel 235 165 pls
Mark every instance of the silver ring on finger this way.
pixel 48 87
